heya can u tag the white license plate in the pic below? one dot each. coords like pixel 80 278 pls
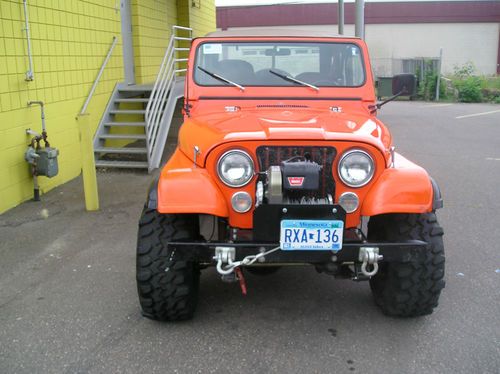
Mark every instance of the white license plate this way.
pixel 311 235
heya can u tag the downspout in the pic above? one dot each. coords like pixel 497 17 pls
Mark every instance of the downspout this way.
pixel 30 75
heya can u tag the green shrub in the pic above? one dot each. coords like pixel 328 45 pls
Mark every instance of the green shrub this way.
pixel 427 87
pixel 491 95
pixel 464 71
pixel 469 90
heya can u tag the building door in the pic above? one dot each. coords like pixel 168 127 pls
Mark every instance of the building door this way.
pixel 128 49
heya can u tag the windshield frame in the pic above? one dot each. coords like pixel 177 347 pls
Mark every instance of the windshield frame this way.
pixel 278 41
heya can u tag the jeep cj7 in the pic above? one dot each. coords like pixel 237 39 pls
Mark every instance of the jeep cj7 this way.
pixel 281 160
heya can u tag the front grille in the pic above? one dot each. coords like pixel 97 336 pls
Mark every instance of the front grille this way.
pixel 273 155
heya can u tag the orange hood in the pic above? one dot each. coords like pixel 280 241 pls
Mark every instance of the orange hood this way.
pixel 207 131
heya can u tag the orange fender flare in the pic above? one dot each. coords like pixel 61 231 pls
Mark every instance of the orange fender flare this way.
pixel 184 188
pixel 406 188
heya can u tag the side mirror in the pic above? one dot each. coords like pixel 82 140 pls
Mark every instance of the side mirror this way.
pixel 404 84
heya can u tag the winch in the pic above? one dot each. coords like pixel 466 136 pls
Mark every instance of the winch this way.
pixel 295 181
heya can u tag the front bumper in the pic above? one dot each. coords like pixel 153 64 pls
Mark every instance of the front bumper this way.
pixel 203 252
pixel 266 235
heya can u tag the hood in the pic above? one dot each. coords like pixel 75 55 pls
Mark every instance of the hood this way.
pixel 207 131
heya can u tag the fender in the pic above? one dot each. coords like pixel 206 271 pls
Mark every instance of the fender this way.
pixel 437 202
pixel 405 188
pixel 185 188
pixel 152 198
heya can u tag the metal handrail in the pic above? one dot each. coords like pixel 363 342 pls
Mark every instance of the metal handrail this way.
pixel 163 85
pixel 96 81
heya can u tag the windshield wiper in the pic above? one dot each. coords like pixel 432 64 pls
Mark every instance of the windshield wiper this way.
pixel 292 79
pixel 221 78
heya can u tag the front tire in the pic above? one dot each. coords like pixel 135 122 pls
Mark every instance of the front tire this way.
pixel 412 288
pixel 167 283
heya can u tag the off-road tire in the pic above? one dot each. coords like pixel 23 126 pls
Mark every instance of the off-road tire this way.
pixel 412 288
pixel 167 283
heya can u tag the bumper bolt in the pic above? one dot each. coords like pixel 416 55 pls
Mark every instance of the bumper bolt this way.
pixel 334 210
pixel 285 210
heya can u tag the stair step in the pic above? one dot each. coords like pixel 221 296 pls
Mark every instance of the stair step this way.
pixel 122 164
pixel 137 88
pixel 122 136
pixel 120 124
pixel 133 100
pixel 127 111
pixel 126 150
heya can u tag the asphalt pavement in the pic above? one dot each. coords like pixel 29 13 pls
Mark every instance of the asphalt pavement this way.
pixel 68 302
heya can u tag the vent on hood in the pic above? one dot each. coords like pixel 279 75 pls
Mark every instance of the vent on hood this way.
pixel 281 106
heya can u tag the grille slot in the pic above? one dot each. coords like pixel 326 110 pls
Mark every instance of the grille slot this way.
pixel 281 106
pixel 273 155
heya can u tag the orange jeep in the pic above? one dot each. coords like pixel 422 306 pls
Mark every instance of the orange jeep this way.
pixel 281 160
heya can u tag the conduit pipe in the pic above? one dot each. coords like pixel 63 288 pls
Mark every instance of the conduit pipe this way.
pixel 30 75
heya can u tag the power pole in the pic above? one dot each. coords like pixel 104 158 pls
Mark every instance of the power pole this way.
pixel 340 14
pixel 360 19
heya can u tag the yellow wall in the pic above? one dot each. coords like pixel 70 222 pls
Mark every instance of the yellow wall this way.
pixel 151 25
pixel 198 14
pixel 202 17
pixel 70 40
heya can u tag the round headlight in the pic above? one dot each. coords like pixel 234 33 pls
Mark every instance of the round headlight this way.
pixel 356 168
pixel 241 202
pixel 349 201
pixel 235 168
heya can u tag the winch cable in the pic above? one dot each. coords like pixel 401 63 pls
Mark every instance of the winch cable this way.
pixel 248 260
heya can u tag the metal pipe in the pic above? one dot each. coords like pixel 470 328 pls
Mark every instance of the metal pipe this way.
pixel 360 19
pixel 438 83
pixel 30 103
pixel 30 75
pixel 340 15
pixel 96 81
pixel 36 187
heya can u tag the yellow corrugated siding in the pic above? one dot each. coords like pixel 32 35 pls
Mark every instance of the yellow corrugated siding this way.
pixel 69 41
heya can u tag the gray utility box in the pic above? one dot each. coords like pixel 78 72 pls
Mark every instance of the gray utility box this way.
pixel 46 164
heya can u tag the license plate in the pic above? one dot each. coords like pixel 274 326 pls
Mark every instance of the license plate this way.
pixel 311 235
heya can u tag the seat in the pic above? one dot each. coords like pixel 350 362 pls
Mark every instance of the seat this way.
pixel 311 77
pixel 265 78
pixel 238 71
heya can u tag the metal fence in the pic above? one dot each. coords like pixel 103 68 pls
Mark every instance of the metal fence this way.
pixel 420 66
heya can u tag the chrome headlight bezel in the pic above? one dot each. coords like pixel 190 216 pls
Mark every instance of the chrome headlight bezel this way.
pixel 343 159
pixel 228 182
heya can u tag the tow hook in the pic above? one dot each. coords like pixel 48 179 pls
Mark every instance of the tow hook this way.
pixel 369 256
pixel 232 272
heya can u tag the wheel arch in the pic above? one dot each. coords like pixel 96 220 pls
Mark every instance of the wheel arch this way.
pixel 185 188
pixel 405 188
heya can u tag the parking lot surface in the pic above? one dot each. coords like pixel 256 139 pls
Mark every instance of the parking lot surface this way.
pixel 68 301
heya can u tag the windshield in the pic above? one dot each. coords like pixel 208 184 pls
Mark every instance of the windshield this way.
pixel 279 64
